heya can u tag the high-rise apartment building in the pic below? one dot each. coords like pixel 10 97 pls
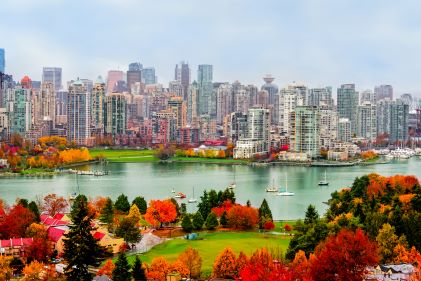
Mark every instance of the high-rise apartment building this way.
pixel 97 105
pixel 258 120
pixel 328 126
pixel 62 100
pixel 367 121
pixel 192 103
pixel 78 113
pixel 348 100
pixel 19 106
pixel 47 101
pixel 113 77
pixel 383 116
pixel 183 75
pixel 321 97
pixel 176 88
pixel 305 130
pixel 399 114
pixel 204 82
pixel 367 96
pixel 52 75
pixel 383 92
pixel 178 106
pixel 238 126
pixel 134 75
pixel 289 98
pixel 2 61
pixel 224 101
pixel 115 114
pixel 148 76
pixel 273 98
pixel 344 130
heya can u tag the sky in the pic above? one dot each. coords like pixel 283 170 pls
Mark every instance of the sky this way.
pixel 320 43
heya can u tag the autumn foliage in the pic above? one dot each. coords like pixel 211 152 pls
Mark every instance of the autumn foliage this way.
pixel 378 184
pixel 242 217
pixel 367 155
pixel 160 212
pixel 16 222
pixel 224 265
pixel 106 269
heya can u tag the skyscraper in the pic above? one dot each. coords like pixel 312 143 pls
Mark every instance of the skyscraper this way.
pixel 204 81
pixel 113 77
pixel 97 105
pixel 258 120
pixel 305 130
pixel 224 101
pixel 192 101
pixel 367 121
pixel 321 97
pixel 47 101
pixel 399 114
pixel 52 75
pixel 78 113
pixel 20 110
pixel 383 91
pixel 289 98
pixel 348 100
pixel 182 74
pixel 344 130
pixel 2 61
pixel 383 116
pixel 134 74
pixel 115 114
pixel 148 76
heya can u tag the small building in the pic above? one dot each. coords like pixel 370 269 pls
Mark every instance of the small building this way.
pixel 248 148
pixel 14 247
pixel 294 156
pixel 390 272
pixel 337 155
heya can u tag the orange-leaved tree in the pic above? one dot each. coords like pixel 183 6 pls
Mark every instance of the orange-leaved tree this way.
pixel 192 260
pixel 242 217
pixel 160 211
pixel 158 269
pixel 106 269
pixel 224 265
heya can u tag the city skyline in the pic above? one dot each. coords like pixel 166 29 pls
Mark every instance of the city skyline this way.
pixel 331 43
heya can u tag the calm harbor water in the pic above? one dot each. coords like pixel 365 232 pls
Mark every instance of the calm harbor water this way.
pixel 155 181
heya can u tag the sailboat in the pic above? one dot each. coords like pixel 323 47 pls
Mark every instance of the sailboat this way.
pixel 173 190
pixel 272 188
pixel 192 200
pixel 232 185
pixel 286 193
pixel 324 182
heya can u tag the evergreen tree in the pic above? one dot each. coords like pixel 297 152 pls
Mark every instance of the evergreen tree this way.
pixel 81 249
pixel 107 212
pixel 32 206
pixel 121 271
pixel 122 203
pixel 211 221
pixel 311 215
pixel 138 272
pixel 204 205
pixel 183 209
pixel 23 202
pixel 128 230
pixel 140 202
pixel 197 221
pixel 248 204
pixel 224 220
pixel 265 214
pixel 186 223
pixel 228 194
pixel 213 199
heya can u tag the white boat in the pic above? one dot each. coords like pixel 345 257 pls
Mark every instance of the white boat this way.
pixel 192 200
pixel 272 188
pixel 232 185
pixel 324 182
pixel 180 195
pixel 286 192
pixel 173 190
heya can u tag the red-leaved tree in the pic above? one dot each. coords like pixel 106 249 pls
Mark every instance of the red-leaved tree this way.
pixel 344 257
pixel 160 212
pixel 16 222
pixel 242 217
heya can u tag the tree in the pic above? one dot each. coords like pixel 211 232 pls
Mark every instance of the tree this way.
pixel 224 219
pixel 197 221
pixel 158 269
pixel 204 206
pixel 344 257
pixel 265 214
pixel 179 267
pixel 16 222
pixel 107 269
pixel 6 271
pixel 186 223
pixel 268 225
pixel 242 217
pixel 107 212
pixel 121 271
pixel 140 202
pixel 300 266
pixel 241 262
pixel 34 271
pixel 191 258
pixel 160 212
pixel 165 152
pixel 311 215
pixel 128 230
pixel 36 230
pixel 211 221
pixel 138 272
pixel 81 249
pixel 122 204
pixel 54 204
pixel 224 265
pixel 40 249
pixel 387 240
pixel 134 213
pixel 33 207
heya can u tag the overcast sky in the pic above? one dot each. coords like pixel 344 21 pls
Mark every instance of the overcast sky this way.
pixel 366 42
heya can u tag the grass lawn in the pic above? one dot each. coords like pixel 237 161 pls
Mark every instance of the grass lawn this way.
pixel 125 155
pixel 213 243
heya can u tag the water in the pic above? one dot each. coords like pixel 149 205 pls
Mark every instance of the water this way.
pixel 155 181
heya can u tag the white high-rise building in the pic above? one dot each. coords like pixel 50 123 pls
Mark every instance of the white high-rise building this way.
pixel 78 113
pixel 289 98
pixel 344 130
pixel 258 120
pixel 328 127
pixel 367 121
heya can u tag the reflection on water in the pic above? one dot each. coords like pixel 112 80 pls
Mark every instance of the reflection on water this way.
pixel 154 181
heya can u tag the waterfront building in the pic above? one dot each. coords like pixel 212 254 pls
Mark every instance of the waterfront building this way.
pixel 237 126
pixel 258 120
pixel 367 121
pixel 305 130
pixel 383 116
pixel 112 78
pixel 2 61
pixel 348 100
pixel 134 75
pixel 248 148
pixel 78 113
pixel 321 97
pixel 52 75
pixel 344 130
pixel 189 136
pixel 290 97
pixel 328 126
pixel 383 92
pixel 148 76
pixel 205 85
pixel 183 75
pixel 115 114
pixel 19 105
pixel 4 123
pixel 97 105
pixel 399 113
